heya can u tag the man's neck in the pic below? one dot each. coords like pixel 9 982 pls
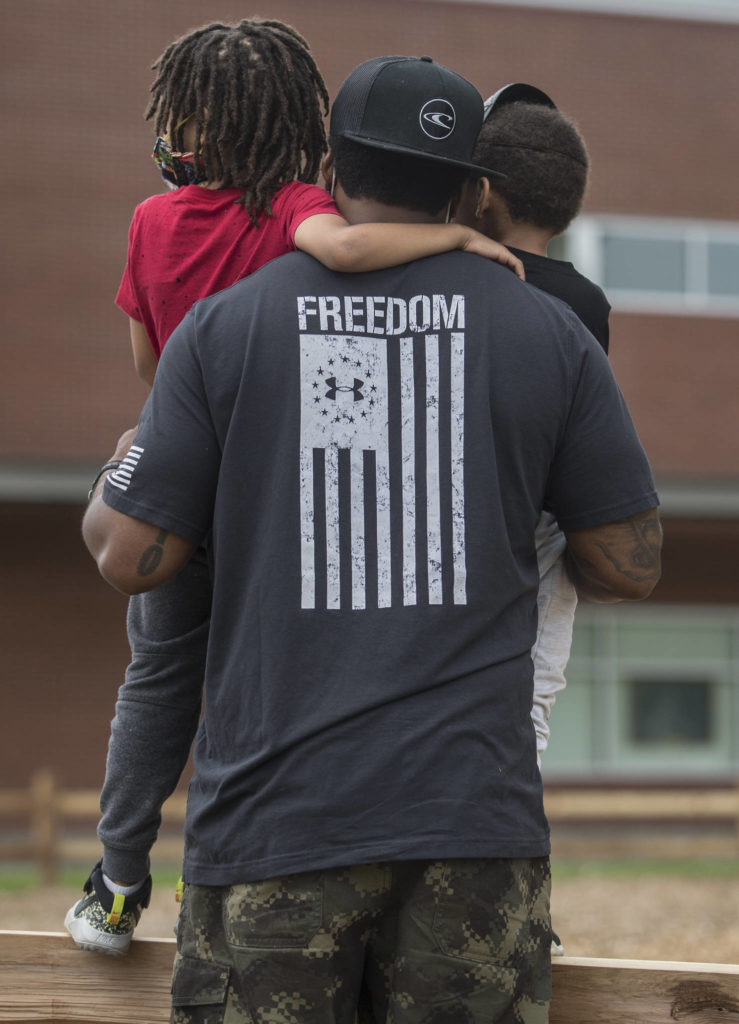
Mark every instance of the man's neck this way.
pixel 368 211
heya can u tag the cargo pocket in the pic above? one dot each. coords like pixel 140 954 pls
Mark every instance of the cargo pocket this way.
pixel 479 915
pixel 280 913
pixel 200 987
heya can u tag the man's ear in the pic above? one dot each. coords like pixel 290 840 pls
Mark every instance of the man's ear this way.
pixel 327 170
pixel 473 201
pixel 483 199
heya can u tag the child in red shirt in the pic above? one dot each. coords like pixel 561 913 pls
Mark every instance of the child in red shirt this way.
pixel 244 181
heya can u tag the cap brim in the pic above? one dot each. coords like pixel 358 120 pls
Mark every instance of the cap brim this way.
pixel 423 155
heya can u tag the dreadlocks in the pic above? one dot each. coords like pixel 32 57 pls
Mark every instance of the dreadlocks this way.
pixel 258 102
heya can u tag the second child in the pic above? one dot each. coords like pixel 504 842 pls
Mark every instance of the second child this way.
pixel 546 164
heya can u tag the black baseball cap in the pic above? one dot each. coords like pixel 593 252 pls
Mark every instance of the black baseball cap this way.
pixel 411 105
pixel 516 92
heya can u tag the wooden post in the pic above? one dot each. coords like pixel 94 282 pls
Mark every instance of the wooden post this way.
pixel 44 825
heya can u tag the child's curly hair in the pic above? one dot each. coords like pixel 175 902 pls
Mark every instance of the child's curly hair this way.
pixel 258 102
pixel 544 157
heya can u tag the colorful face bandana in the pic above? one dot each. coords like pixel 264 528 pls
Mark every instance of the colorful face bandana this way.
pixel 177 169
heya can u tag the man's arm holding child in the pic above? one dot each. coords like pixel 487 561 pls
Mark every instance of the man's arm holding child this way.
pixel 131 555
pixel 618 561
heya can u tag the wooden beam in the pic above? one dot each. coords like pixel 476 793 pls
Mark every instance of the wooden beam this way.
pixel 168 850
pixel 652 847
pixel 589 991
pixel 44 978
pixel 596 804
pixel 14 801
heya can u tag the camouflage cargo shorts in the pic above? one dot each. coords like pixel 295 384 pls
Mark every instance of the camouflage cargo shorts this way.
pixel 417 942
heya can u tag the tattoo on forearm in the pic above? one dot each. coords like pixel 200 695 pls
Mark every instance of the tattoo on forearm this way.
pixel 634 550
pixel 151 558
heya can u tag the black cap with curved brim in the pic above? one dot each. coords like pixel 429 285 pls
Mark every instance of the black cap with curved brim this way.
pixel 414 106
pixel 516 92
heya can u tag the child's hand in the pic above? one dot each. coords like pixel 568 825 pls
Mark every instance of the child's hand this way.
pixel 124 443
pixel 481 245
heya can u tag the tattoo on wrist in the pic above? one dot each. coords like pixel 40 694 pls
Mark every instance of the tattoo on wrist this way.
pixel 151 558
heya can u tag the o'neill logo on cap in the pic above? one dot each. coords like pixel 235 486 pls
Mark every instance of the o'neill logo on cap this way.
pixel 437 119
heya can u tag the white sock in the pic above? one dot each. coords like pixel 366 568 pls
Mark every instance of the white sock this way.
pixel 122 890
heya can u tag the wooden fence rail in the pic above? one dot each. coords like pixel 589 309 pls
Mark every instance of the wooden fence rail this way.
pixel 45 812
pixel 44 978
pixel 703 821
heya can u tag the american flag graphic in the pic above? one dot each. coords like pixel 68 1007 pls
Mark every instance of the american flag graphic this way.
pixel 382 470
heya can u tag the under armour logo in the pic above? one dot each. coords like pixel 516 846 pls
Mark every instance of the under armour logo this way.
pixel 333 387
pixel 437 119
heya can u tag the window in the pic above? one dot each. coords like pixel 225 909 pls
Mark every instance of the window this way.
pixel 652 692
pixel 665 712
pixel 660 266
pixel 649 264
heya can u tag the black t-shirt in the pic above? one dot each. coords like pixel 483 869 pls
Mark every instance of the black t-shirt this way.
pixel 561 279
pixel 372 453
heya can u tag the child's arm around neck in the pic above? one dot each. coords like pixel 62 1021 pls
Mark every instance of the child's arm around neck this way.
pixel 353 248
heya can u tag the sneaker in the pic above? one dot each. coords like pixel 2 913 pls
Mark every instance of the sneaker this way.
pixel 557 947
pixel 103 921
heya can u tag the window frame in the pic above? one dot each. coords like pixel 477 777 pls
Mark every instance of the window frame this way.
pixel 584 245
pixel 613 645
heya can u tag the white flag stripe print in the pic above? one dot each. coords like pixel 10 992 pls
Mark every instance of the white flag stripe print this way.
pixel 333 551
pixel 384 567
pixel 433 498
pixel 458 540
pixel 358 396
pixel 408 445
pixel 307 527
pixel 358 546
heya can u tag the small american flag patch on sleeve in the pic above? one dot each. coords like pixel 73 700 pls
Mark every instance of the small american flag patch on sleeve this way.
pixel 121 477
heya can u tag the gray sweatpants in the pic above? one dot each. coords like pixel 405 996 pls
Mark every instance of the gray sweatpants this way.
pixel 156 716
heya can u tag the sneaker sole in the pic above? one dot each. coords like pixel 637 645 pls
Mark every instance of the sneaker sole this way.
pixel 89 938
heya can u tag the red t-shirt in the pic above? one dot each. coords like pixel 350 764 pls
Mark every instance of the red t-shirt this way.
pixel 193 241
